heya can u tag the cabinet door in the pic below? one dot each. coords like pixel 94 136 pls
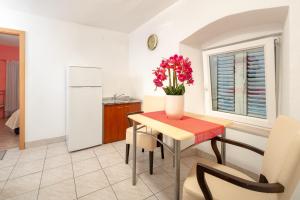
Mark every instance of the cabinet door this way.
pixel 112 115
pixel 124 124
pixel 134 107
pixel 116 122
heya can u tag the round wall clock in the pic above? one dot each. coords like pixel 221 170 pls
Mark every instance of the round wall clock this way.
pixel 152 42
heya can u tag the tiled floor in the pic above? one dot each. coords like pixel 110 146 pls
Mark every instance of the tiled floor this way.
pixel 51 173
pixel 8 139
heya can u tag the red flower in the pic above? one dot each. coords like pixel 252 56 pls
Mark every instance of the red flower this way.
pixel 181 77
pixel 176 64
pixel 158 83
pixel 191 81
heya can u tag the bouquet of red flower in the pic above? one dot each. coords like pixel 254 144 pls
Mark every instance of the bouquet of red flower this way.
pixel 178 70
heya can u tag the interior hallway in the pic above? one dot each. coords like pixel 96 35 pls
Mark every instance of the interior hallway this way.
pixel 8 139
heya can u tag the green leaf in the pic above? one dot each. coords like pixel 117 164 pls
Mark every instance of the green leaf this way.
pixel 171 90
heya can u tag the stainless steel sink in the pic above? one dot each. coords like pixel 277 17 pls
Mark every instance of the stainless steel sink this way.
pixel 119 100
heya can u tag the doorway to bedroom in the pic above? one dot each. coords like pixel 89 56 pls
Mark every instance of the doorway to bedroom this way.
pixel 12 90
pixel 9 91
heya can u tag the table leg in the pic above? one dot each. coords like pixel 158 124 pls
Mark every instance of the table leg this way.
pixel 177 169
pixel 134 155
pixel 173 153
pixel 223 149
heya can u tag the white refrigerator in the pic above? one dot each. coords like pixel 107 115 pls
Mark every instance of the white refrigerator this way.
pixel 84 107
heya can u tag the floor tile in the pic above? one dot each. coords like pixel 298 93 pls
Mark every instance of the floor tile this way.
pixel 91 182
pixel 57 161
pixel 32 155
pixel 12 154
pixel 56 175
pixel 104 149
pixel 63 191
pixel 26 196
pixel 21 185
pixel 168 193
pixel 143 165
pixel 125 190
pixel 1 185
pixel 119 145
pixel 159 162
pixel 82 155
pixel 110 159
pixel 22 169
pixel 157 153
pixel 158 181
pixel 86 166
pixel 54 151
pixel 58 144
pixel 190 161
pixel 5 172
pixel 103 194
pixel 118 172
pixel 152 198
pixel 42 148
pixel 8 163
pixel 184 170
pixel 139 153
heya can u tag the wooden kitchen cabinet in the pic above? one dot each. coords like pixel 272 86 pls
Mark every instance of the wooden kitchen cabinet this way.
pixel 115 120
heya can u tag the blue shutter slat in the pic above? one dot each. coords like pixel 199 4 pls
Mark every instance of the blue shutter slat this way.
pixel 256 79
pixel 256 67
pixel 256 89
pixel 258 52
pixel 225 82
pixel 260 70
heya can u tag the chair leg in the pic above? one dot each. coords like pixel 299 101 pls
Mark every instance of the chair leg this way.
pixel 143 150
pixel 162 151
pixel 151 161
pixel 160 137
pixel 127 153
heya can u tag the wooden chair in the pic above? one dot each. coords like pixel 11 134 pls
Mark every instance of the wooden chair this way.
pixel 144 141
pixel 279 175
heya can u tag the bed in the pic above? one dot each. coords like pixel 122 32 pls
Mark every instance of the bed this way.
pixel 13 121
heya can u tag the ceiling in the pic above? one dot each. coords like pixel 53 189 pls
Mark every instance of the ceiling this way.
pixel 119 15
pixel 9 40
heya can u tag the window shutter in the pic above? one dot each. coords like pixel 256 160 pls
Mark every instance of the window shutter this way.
pixel 225 82
pixel 256 86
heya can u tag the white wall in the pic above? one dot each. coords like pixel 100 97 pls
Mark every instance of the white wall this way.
pixel 186 17
pixel 51 46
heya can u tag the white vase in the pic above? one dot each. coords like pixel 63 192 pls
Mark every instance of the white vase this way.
pixel 174 106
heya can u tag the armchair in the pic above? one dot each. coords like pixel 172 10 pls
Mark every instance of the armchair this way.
pixel 278 179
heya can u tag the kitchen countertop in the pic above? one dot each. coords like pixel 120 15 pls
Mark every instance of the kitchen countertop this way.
pixel 110 101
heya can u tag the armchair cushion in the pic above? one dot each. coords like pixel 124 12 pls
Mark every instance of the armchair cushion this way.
pixel 221 190
pixel 143 141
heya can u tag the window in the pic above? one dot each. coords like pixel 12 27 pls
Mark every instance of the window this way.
pixel 240 82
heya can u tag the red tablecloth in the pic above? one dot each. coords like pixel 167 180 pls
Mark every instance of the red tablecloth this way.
pixel 203 130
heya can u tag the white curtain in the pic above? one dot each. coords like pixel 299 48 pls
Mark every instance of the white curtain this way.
pixel 12 87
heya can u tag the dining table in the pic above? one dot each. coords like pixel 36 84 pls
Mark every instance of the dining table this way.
pixel 191 126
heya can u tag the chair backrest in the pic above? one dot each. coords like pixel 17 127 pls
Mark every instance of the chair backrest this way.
pixel 281 162
pixel 153 103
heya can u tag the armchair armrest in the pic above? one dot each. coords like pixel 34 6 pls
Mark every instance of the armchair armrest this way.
pixel 250 185
pixel 132 113
pixel 233 142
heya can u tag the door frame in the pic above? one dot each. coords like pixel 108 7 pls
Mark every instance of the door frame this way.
pixel 21 36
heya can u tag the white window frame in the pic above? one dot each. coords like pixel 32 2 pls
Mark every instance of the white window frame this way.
pixel 269 51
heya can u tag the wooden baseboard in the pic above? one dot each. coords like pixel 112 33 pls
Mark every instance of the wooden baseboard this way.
pixel 43 142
